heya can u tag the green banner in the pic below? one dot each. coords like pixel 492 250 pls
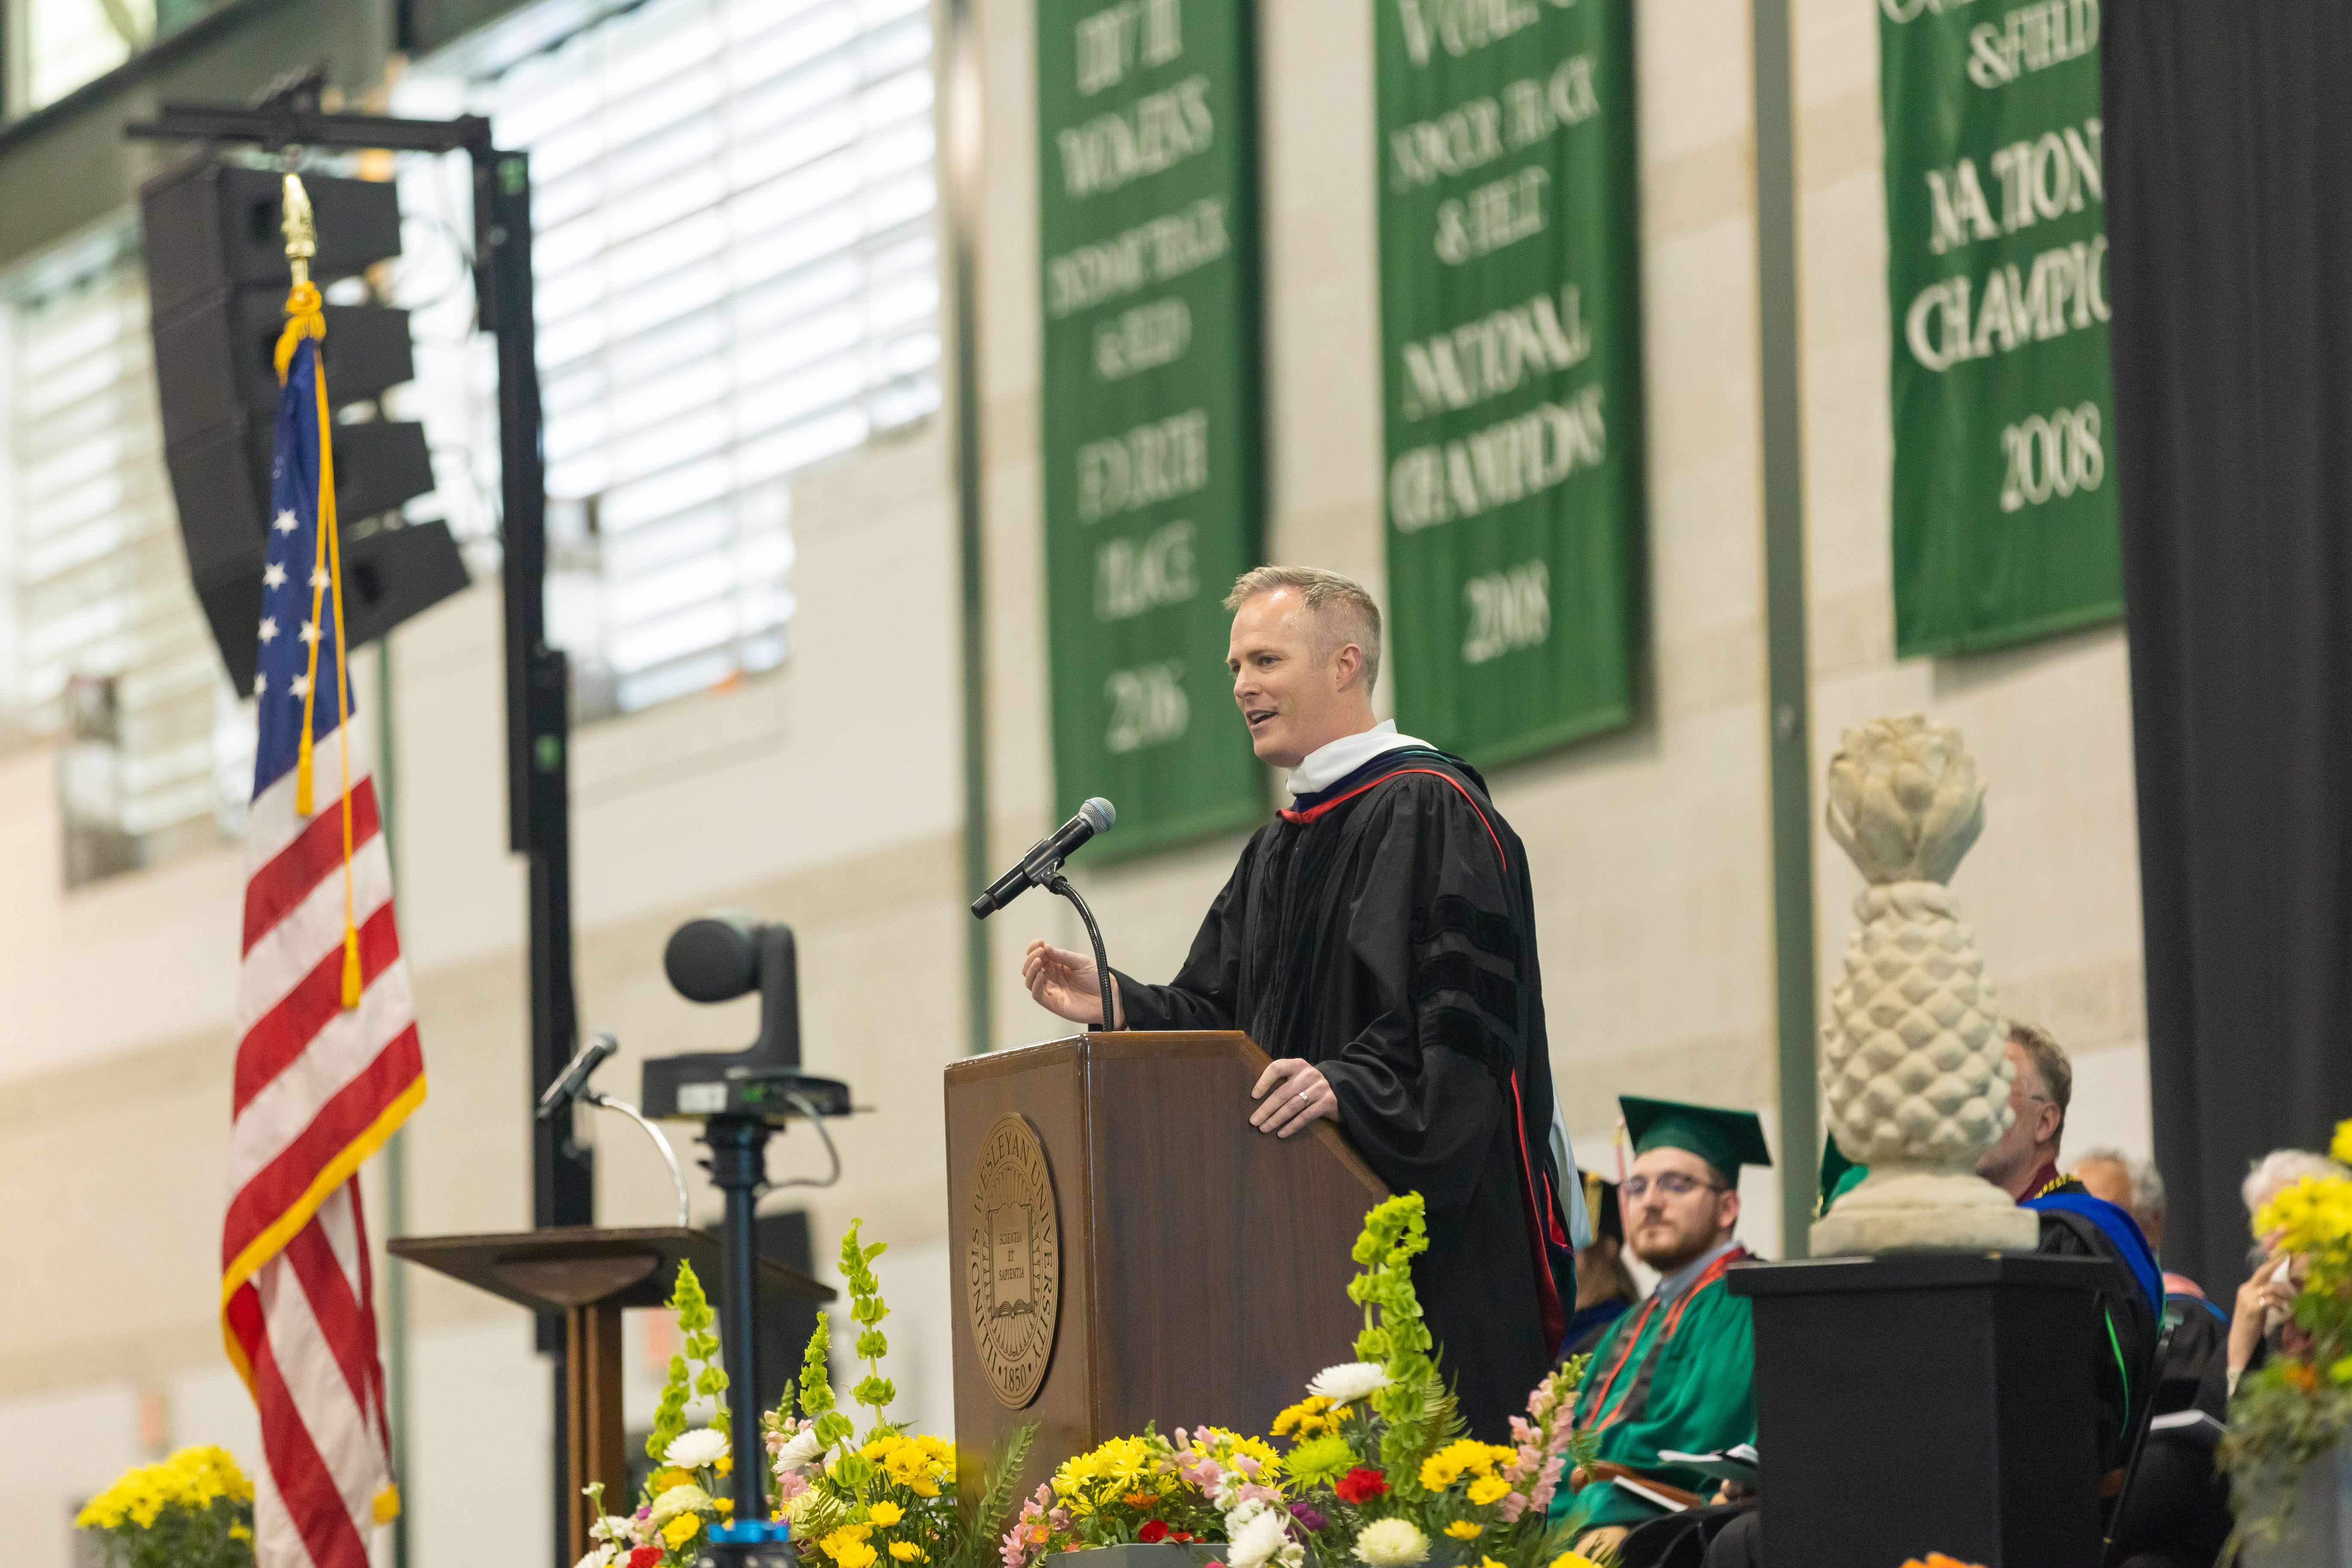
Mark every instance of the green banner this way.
pixel 1997 277
pixel 1147 221
pixel 1510 329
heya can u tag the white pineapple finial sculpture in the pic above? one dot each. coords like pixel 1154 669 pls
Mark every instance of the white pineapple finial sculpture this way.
pixel 1915 1076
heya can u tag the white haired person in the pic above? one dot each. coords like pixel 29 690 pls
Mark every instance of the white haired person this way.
pixel 2264 1316
pixel 1378 939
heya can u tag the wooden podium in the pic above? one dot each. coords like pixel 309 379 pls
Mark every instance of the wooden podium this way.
pixel 1128 1248
pixel 590 1275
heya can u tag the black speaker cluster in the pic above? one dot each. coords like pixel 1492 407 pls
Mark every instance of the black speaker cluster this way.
pixel 217 281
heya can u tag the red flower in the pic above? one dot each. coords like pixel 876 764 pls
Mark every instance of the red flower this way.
pixel 1180 1535
pixel 1153 1530
pixel 644 1557
pixel 1360 1485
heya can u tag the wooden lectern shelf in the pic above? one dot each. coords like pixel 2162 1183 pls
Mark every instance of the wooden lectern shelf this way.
pixel 1128 1248
pixel 590 1275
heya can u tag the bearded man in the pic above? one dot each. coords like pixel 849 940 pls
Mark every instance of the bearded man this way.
pixel 1677 1373
pixel 1378 939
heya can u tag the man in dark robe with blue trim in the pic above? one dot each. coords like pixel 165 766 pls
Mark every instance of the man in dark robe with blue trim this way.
pixel 1378 939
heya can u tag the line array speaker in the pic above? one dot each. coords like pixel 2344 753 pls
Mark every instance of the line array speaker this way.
pixel 216 282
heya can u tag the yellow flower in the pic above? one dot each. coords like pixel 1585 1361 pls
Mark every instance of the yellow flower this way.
pixel 680 1530
pixel 907 1552
pixel 1488 1489
pixel 1489 1562
pixel 855 1554
pixel 1459 1458
pixel 665 1479
pixel 1573 1560
pixel 1462 1530
pixel 725 1465
pixel 885 1513
pixel 239 1532
pixel 1305 1419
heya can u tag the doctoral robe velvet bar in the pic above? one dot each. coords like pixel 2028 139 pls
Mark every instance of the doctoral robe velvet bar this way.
pixel 1384 928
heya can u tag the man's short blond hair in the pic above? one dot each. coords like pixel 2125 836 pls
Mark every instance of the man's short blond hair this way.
pixel 1343 611
pixel 2051 1065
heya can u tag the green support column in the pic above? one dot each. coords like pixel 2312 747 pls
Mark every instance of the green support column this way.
pixel 1788 713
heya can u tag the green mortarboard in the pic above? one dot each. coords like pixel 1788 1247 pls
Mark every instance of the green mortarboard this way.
pixel 1724 1139
pixel 1840 1175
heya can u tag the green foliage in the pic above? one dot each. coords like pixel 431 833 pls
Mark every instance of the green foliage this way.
pixel 1415 1410
pixel 867 1309
pixel 2281 1419
pixel 973 1544
pixel 695 1371
pixel 816 1388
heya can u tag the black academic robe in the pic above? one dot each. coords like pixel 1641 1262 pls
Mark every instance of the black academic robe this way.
pixel 1384 930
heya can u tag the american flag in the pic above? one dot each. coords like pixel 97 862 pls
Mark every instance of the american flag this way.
pixel 327 1064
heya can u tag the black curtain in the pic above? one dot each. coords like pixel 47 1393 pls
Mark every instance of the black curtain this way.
pixel 2229 183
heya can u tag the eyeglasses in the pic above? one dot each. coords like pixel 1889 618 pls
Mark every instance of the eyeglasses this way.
pixel 1673 1184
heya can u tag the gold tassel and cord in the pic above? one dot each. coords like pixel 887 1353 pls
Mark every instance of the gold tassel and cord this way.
pixel 306 318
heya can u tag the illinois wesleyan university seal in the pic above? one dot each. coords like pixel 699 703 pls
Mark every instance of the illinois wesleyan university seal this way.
pixel 1013 1263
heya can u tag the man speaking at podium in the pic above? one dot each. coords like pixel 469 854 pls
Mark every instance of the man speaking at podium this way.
pixel 1378 938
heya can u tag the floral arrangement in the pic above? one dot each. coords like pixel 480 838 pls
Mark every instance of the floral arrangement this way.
pixel 682 1499
pixel 2299 1405
pixel 888 1497
pixel 1378 1471
pixel 193 1511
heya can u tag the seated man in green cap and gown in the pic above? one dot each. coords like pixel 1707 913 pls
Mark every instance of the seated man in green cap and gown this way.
pixel 1677 1372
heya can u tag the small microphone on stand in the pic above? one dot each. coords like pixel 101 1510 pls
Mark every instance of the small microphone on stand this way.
pixel 574 1077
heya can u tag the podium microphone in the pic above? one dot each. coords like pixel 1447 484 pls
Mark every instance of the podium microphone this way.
pixel 1046 857
pixel 575 1078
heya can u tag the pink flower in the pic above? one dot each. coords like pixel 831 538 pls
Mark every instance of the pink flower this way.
pixel 789 1485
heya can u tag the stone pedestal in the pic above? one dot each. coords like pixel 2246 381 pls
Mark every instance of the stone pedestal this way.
pixel 1901 1208
pixel 1927 1402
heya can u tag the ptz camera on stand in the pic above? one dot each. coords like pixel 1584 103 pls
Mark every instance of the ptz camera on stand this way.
pixel 741 1098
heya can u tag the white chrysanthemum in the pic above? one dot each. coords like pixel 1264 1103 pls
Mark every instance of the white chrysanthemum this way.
pixel 1256 1541
pixel 684 1497
pixel 802 1448
pixel 1391 1543
pixel 1349 1382
pixel 693 1450
pixel 597 1558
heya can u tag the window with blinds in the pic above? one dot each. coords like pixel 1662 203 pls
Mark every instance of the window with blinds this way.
pixel 737 278
pixel 102 645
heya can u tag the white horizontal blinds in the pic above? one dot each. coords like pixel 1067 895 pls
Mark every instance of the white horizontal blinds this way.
pixel 100 580
pixel 737 278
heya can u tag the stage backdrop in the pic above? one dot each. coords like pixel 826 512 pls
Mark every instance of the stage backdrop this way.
pixel 1149 251
pixel 2005 501
pixel 1511 334
pixel 2229 134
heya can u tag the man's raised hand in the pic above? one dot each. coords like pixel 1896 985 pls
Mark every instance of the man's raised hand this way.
pixel 1064 983
pixel 1291 1093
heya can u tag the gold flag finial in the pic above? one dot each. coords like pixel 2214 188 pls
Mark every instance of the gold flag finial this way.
pixel 301 228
